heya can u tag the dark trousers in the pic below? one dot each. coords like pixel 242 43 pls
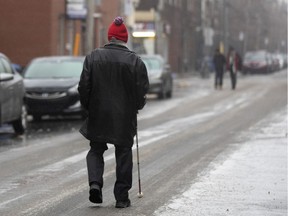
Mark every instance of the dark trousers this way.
pixel 124 166
pixel 218 78
pixel 233 76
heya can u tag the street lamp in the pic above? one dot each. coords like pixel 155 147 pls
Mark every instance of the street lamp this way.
pixel 241 39
pixel 266 41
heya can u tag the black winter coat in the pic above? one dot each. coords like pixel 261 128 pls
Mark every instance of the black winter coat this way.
pixel 112 89
pixel 219 61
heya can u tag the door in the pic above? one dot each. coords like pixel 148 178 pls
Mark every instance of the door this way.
pixel 10 102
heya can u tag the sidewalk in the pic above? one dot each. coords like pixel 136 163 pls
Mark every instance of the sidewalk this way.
pixel 252 181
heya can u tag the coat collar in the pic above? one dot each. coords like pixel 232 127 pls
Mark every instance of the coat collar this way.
pixel 113 45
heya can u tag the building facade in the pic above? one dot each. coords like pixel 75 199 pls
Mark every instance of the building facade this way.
pixel 29 29
pixel 34 28
pixel 185 30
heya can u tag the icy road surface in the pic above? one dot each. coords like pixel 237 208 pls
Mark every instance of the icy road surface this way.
pixel 251 181
pixel 203 152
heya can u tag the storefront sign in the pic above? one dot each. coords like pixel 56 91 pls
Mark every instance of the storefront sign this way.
pixel 144 29
pixel 76 9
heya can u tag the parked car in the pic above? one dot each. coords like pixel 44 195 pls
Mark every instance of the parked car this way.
pixel 160 76
pixel 281 61
pixel 51 86
pixel 257 62
pixel 275 62
pixel 285 59
pixel 12 108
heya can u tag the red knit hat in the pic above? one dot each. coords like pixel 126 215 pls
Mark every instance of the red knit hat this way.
pixel 118 30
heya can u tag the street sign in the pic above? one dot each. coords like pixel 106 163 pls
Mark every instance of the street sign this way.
pixel 76 9
pixel 208 34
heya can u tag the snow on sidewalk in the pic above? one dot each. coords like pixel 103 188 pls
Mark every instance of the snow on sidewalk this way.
pixel 250 182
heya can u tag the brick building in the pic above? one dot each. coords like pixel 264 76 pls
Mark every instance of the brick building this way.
pixel 29 28
pixel 34 28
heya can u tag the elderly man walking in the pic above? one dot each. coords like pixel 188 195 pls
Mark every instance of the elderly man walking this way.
pixel 112 89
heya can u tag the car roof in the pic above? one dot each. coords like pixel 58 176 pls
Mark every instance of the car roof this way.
pixel 58 58
pixel 150 56
pixel 3 55
pixel 153 56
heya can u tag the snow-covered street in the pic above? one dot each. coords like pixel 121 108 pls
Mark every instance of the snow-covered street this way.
pixel 205 152
pixel 251 181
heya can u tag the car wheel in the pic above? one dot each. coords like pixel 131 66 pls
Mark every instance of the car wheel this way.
pixel 162 93
pixel 20 124
pixel 169 89
pixel 169 94
pixel 36 118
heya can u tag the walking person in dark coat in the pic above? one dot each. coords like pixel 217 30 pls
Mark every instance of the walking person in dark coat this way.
pixel 233 65
pixel 112 89
pixel 219 64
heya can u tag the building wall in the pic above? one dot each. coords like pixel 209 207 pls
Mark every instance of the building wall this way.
pixel 32 28
pixel 28 29
pixel 109 10
pixel 181 55
pixel 57 13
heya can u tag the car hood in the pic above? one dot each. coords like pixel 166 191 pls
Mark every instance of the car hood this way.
pixel 50 84
pixel 254 62
pixel 152 74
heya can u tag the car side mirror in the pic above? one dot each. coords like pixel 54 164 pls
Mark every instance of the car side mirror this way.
pixel 6 77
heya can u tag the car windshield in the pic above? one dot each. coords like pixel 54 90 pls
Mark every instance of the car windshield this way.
pixel 54 69
pixel 255 56
pixel 152 64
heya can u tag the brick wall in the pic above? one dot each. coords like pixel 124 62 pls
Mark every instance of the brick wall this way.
pixel 29 29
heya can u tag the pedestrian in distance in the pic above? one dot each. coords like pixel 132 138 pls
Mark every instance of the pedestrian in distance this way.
pixel 219 61
pixel 233 65
pixel 112 89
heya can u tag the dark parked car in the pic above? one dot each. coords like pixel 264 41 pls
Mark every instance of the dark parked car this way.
pixel 12 108
pixel 257 62
pixel 51 86
pixel 160 76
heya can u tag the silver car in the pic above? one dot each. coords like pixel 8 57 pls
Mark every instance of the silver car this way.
pixel 51 86
pixel 160 76
pixel 12 108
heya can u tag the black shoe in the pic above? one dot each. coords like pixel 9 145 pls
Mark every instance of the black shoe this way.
pixel 123 204
pixel 95 194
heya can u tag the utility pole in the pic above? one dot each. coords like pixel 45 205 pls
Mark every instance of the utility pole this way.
pixel 203 26
pixel 226 24
pixel 90 25
pixel 247 23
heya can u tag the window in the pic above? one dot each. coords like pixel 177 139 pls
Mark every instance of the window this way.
pixel 54 69
pixel 2 69
pixel 5 66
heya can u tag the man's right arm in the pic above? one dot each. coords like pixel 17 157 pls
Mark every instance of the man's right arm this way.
pixel 142 85
pixel 84 86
